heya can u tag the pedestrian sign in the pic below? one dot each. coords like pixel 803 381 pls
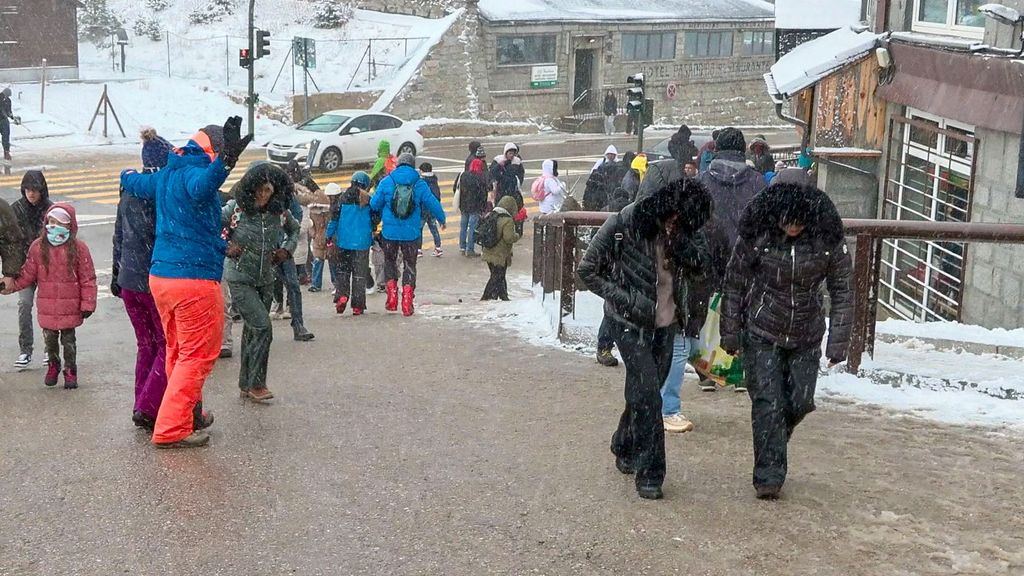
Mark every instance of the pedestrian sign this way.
pixel 304 52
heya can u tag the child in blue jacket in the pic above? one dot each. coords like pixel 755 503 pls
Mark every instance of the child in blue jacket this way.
pixel 349 237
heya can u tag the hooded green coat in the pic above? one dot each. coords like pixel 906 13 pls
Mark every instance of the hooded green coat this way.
pixel 258 231
pixel 385 163
pixel 501 254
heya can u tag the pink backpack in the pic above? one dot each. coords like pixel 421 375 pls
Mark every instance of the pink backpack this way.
pixel 539 189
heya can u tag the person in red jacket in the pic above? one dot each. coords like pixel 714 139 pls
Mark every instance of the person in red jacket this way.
pixel 61 266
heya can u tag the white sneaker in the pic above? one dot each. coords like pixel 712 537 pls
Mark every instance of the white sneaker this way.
pixel 23 362
pixel 677 423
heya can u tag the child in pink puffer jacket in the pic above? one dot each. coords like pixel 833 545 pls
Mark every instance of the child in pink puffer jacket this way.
pixel 62 267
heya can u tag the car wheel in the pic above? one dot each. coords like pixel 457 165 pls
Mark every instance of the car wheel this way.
pixel 330 160
pixel 407 148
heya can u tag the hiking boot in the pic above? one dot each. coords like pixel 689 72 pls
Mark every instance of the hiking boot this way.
pixel 204 421
pixel 70 378
pixel 650 492
pixel 357 311
pixel 23 362
pixel 52 374
pixel 408 294
pixel 768 492
pixel 707 385
pixel 194 440
pixel 625 466
pixel 606 358
pixel 225 352
pixel 303 335
pixel 391 305
pixel 314 289
pixel 340 304
pixel 7 155
pixel 677 423
pixel 438 252
pixel 141 420
pixel 257 394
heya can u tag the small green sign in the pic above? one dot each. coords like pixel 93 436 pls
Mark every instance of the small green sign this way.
pixel 544 77
pixel 544 84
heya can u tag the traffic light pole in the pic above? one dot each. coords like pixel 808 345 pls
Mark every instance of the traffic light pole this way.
pixel 251 100
pixel 640 132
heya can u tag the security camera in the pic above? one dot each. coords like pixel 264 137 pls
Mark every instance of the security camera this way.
pixel 1001 13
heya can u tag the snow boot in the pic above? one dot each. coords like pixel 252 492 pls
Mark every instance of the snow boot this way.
pixel 70 378
pixel 340 304
pixel 143 421
pixel 392 302
pixel 201 419
pixel 196 439
pixel 52 373
pixel 649 492
pixel 408 294
pixel 7 155
pixel 606 358
pixel 357 311
pixel 303 335
pixel 768 492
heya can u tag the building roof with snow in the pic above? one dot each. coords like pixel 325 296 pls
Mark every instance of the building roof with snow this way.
pixel 624 11
pixel 816 14
pixel 814 60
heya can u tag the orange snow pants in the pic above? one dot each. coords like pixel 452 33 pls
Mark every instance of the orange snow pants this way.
pixel 192 314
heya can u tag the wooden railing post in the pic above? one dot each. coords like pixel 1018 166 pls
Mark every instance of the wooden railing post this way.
pixel 862 309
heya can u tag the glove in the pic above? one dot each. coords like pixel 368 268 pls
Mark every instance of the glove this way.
pixel 17 120
pixel 234 144
pixel 279 255
pixel 86 314
pixel 115 288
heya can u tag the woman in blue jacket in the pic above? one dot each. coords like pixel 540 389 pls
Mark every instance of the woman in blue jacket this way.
pixel 349 237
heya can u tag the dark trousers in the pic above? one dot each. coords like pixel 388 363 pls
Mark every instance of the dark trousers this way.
pixel 781 384
pixel 496 287
pixel 5 133
pixel 640 437
pixel 605 336
pixel 54 339
pixel 288 276
pixel 632 124
pixel 253 303
pixel 408 249
pixel 350 268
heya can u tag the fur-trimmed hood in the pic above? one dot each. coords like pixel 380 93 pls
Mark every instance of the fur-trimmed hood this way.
pixel 244 191
pixel 791 203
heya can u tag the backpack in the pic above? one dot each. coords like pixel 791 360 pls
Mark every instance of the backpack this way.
pixel 403 203
pixel 539 189
pixel 487 231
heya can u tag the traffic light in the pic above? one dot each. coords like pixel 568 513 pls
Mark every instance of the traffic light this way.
pixel 244 60
pixel 635 95
pixel 262 44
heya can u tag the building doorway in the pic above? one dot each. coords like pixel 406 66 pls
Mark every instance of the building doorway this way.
pixel 583 96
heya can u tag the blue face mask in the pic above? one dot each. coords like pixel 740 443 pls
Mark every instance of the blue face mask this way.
pixel 57 234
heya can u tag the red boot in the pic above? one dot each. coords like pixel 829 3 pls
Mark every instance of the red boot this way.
pixel 357 311
pixel 392 303
pixel 52 373
pixel 340 305
pixel 408 293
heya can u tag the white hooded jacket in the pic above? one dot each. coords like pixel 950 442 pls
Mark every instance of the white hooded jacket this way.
pixel 554 189
pixel 604 159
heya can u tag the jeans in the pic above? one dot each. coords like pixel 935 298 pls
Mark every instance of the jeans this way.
pixel 640 436
pixel 408 249
pixel 317 280
pixel 467 232
pixel 253 303
pixel 497 287
pixel 780 382
pixel 606 335
pixel 26 332
pixel 54 339
pixel 350 276
pixel 151 357
pixel 289 275
pixel 377 258
pixel 609 125
pixel 431 223
pixel 682 346
pixel 227 340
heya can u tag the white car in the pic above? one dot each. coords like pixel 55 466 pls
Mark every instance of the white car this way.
pixel 343 137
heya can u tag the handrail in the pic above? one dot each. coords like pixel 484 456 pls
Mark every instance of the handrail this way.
pixel 583 95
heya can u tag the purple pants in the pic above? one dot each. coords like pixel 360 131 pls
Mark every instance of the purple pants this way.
pixel 150 363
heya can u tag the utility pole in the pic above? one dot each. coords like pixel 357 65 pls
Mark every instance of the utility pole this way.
pixel 251 99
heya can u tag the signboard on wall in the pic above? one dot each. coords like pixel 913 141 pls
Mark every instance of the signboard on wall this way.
pixel 544 77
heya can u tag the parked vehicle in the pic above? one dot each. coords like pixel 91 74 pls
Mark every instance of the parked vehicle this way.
pixel 343 137
pixel 660 150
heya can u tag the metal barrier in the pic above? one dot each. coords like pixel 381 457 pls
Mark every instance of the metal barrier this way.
pixel 559 246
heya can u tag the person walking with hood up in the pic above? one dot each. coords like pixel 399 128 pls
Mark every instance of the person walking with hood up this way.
pixel 253 222
pixel 635 176
pixel 499 255
pixel 611 155
pixel 30 211
pixel 640 262
pixel 474 148
pixel 61 265
pixel 134 237
pixel 188 262
pixel 385 164
pixel 401 199
pixel 790 243
pixel 761 155
pixel 349 237
pixel 6 116
pixel 548 190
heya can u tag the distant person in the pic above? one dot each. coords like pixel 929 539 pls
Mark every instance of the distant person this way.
pixel 154 149
pixel 789 244
pixel 427 174
pixel 499 255
pixel 349 237
pixel 611 155
pixel 6 117
pixel 472 202
pixel 611 110
pixel 61 266
pixel 30 211
pixel 707 152
pixel 508 175
pixel 474 148
pixel 760 153
pixel 690 169
pixel 634 176
pixel 548 191
pixel 603 181
pixel 384 165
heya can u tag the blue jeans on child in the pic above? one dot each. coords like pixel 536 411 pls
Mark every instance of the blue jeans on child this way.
pixel 317 281
pixel 467 232
pixel 682 347
pixel 431 223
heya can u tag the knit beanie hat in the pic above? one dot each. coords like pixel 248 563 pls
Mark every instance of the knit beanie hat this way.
pixel 731 139
pixel 406 159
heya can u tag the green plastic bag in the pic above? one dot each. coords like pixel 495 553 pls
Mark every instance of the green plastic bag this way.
pixel 711 361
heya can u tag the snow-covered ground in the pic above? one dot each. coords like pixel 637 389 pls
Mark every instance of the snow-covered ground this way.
pixel 912 378
pixel 191 78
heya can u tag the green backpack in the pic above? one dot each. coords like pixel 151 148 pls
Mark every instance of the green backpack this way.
pixel 403 203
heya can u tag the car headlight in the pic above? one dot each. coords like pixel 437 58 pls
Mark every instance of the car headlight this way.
pixel 304 146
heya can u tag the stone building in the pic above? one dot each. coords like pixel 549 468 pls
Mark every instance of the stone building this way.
pixel 31 30
pixel 931 130
pixel 549 60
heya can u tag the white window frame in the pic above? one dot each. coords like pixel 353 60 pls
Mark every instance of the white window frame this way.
pixel 947 29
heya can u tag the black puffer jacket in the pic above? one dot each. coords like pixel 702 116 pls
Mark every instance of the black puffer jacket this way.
pixel 30 217
pixel 602 183
pixel 772 286
pixel 620 263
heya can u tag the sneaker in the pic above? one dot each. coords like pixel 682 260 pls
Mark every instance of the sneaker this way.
pixel 52 374
pixel 143 421
pixel 419 253
pixel 707 385
pixel 677 423
pixel 286 315
pixel 277 313
pixel 650 492
pixel 257 394
pixel 438 252
pixel 303 335
pixel 606 358
pixel 768 492
pixel 23 362
pixel 472 254
pixel 70 378
pixel 225 352
pixel 193 440
pixel 740 388
pixel 314 289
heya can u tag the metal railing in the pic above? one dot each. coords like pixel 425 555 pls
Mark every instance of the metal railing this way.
pixel 561 239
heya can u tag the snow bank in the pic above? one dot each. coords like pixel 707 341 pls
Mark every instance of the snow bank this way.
pixel 412 65
pixel 814 60
pixel 953 331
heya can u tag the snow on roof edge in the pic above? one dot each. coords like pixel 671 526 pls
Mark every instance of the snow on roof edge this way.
pixel 811 61
pixel 603 11
pixel 408 71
